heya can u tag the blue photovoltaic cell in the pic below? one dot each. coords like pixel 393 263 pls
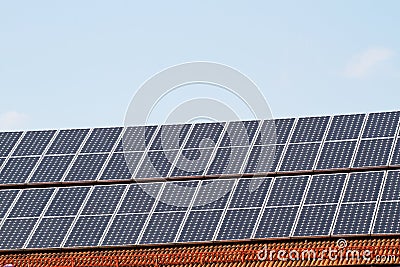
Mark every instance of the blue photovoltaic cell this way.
pixel 373 152
pixel 125 230
pixel 250 193
pixel 204 135
pixel 345 127
pixel 14 232
pixel 287 191
pixel 392 186
pixel 263 159
pixel 336 155
pixel 31 203
pixel 17 170
pixel 136 138
pixel 200 226
pixel 325 188
pixel 162 228
pixel 7 197
pixel 228 160
pixel 381 124
pixel 177 196
pixel 363 187
pixel 87 231
pixel 238 224
pixel 396 154
pixel 140 198
pixel 213 194
pixel 309 129
pixel 102 140
pixel 86 167
pixel 239 133
pixel 51 169
pixel 192 162
pixel 387 221
pixel 269 226
pixel 33 143
pixel 300 157
pixel 50 232
pixel 315 220
pixel 67 201
pixel 354 218
pixel 118 168
pixel 2 161
pixel 68 141
pixel 8 141
pixel 170 137
pixel 282 129
pixel 103 200
pixel 156 164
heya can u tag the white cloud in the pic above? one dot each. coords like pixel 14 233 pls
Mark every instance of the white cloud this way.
pixel 12 120
pixel 361 64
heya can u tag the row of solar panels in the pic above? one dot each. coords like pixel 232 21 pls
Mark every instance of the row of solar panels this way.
pixel 356 152
pixel 319 205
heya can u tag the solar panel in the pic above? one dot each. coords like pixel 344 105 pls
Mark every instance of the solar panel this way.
pixel 381 124
pixel 192 162
pixel 282 130
pixel 387 220
pixel 228 160
pixel 7 197
pixel 325 189
pixel 200 226
pixel 68 141
pixel 354 219
pixel 239 133
pixel 213 194
pixel 287 191
pixel 67 201
pixel 86 167
pixel 156 164
pixel 250 193
pixel 50 232
pixel 14 232
pixel 17 170
pixel 169 200
pixel 363 187
pixel 118 168
pixel 205 135
pixel 33 143
pixel 315 220
pixel 8 141
pixel 102 140
pixel 310 129
pixel 136 138
pixel 140 198
pixel 87 231
pixel 336 155
pixel 346 127
pixel 396 154
pixel 31 203
pixel 238 224
pixel 125 229
pixel 269 227
pixel 170 137
pixel 374 152
pixel 263 159
pixel 392 186
pixel 300 157
pixel 103 200
pixel 162 228
pixel 51 169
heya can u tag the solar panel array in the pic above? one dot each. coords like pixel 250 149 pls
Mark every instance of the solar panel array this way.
pixel 304 144
pixel 363 201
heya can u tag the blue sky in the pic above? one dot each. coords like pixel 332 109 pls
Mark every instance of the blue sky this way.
pixel 78 63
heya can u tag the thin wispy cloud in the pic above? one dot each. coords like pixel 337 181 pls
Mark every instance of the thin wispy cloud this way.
pixel 13 120
pixel 363 63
